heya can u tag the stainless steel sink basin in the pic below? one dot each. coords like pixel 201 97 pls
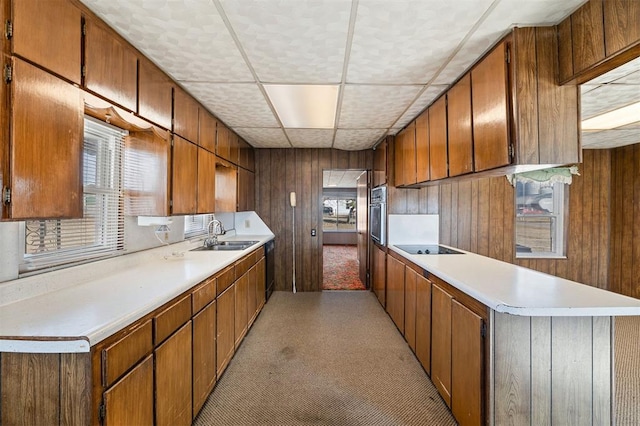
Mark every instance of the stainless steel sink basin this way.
pixel 226 246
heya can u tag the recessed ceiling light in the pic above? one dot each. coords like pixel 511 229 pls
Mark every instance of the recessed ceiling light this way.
pixel 613 119
pixel 304 106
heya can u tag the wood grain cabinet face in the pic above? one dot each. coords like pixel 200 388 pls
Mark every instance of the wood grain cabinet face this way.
pixel 234 148
pixel 423 322
pixel 49 34
pixel 459 130
pixel 226 186
pixel 621 24
pixel 223 148
pixel 173 379
pixel 246 190
pixel 111 66
pixel 587 35
pixel 225 329
pixel 155 92
pixel 204 355
pixel 241 315
pixel 206 181
pixel 261 282
pixel 438 157
pixel 185 115
pixel 207 133
pixel 422 147
pixel 398 159
pixel 379 274
pixel 184 176
pixel 441 302
pixel 380 164
pixel 252 300
pixel 410 282
pixel 46 145
pixel 123 354
pixel 130 400
pixel 395 291
pixel 490 100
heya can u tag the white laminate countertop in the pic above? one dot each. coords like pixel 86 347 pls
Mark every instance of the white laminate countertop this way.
pixel 75 317
pixel 516 290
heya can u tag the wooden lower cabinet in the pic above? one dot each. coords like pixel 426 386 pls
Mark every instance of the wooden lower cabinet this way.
pixel 410 282
pixel 466 365
pixel 380 274
pixel 261 282
pixel 173 379
pixel 441 342
pixel 241 315
pixel 252 300
pixel 225 331
pixel 423 322
pixel 130 400
pixel 395 291
pixel 204 355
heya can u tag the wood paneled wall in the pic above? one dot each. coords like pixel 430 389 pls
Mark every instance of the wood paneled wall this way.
pixel 281 171
pixel 625 221
pixel 478 216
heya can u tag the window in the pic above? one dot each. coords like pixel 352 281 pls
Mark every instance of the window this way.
pixel 339 210
pixel 196 225
pixel 100 232
pixel 540 218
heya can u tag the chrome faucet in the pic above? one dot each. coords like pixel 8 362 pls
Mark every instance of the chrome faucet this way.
pixel 218 229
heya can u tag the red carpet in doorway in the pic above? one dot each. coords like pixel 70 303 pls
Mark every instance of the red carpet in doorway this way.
pixel 340 268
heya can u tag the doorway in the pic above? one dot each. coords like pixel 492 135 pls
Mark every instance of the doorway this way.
pixel 344 223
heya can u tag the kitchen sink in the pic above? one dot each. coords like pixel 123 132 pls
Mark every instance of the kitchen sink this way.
pixel 226 246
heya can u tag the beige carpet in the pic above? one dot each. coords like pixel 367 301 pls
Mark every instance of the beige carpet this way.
pixel 627 368
pixel 332 358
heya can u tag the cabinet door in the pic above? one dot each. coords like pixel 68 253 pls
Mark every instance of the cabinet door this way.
pixel 246 190
pixel 460 137
pixel 252 291
pixel 422 147
pixel 111 66
pixel 206 181
pixel 204 355
pixel 174 379
pixel 207 133
pixel 380 274
pixel 225 329
pixel 466 365
pixel 438 167
pixel 241 314
pixel 184 176
pixel 395 291
pixel 155 93
pixel 398 161
pixel 261 281
pixel 226 186
pixel 223 149
pixel 409 155
pixel 234 148
pixel 441 342
pixel 587 35
pixel 491 110
pixel 185 115
pixel 130 400
pixel 423 322
pixel 46 145
pixel 380 164
pixel 49 34
pixel 621 24
pixel 410 281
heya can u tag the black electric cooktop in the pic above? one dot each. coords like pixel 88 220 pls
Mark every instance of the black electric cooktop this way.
pixel 426 249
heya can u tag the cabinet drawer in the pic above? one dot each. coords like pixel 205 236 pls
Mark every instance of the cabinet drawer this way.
pixel 259 253
pixel 169 320
pixel 244 264
pixel 203 295
pixel 225 279
pixel 123 354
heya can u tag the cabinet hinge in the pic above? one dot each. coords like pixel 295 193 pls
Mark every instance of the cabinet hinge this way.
pixel 84 28
pixel 172 141
pixel 6 195
pixel 511 152
pixel 507 55
pixel 8 29
pixel 84 71
pixel 8 73
pixel 171 203
pixel 483 329
pixel 102 412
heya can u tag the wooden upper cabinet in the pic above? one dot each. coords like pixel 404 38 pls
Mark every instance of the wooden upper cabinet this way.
pixel 621 24
pixel 587 35
pixel 398 164
pixel 207 133
pixel 380 164
pixel 154 94
pixel 111 66
pixel 409 154
pixel 422 147
pixel 234 148
pixel 565 50
pixel 246 156
pixel 246 190
pixel 438 139
pixel 49 33
pixel 185 115
pixel 46 145
pixel 226 186
pixel 223 149
pixel 184 177
pixel 206 181
pixel 490 100
pixel 460 134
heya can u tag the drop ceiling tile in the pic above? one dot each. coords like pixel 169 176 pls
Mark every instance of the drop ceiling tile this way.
pixel 238 105
pixel 506 15
pixel 607 97
pixel 357 139
pixel 374 106
pixel 292 41
pixel 429 95
pixel 310 138
pixel 186 38
pixel 407 41
pixel 264 137
pixel 610 138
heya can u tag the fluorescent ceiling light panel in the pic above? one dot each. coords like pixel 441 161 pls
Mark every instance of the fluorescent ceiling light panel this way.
pixel 304 106
pixel 613 119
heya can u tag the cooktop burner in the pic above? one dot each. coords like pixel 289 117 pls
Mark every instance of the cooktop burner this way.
pixel 426 249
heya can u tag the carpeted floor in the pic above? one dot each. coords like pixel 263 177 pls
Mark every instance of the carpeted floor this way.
pixel 627 370
pixel 340 268
pixel 300 365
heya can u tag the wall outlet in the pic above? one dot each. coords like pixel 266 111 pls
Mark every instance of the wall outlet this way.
pixel 313 232
pixel 247 223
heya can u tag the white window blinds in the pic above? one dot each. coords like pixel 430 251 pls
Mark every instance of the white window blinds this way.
pixel 196 225
pixel 100 232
